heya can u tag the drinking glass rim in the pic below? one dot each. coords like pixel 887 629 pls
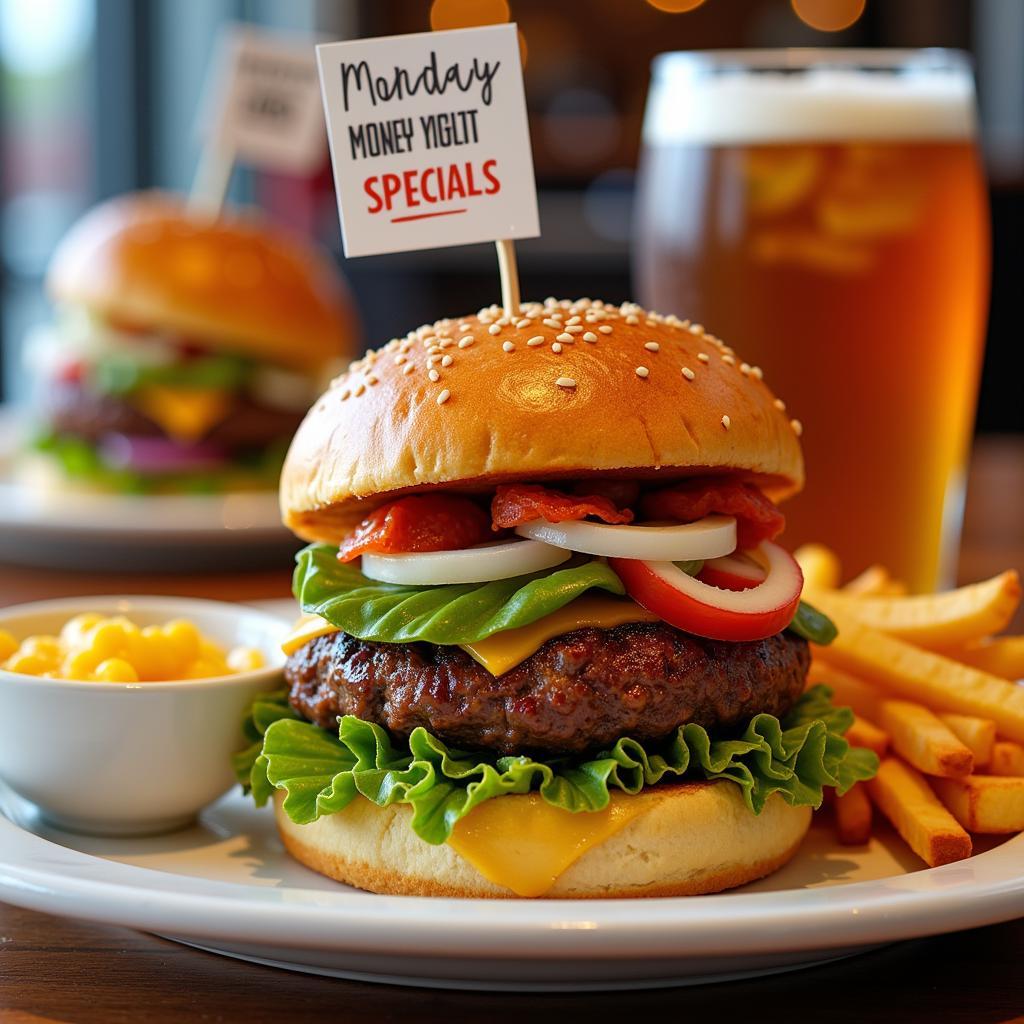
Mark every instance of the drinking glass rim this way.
pixel 805 58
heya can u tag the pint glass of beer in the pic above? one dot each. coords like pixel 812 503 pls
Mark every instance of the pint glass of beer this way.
pixel 824 212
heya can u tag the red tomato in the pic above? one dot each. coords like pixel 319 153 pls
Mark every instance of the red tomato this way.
pixel 426 522
pixel 696 607
pixel 737 571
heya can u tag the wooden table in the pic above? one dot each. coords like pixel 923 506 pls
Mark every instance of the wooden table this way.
pixel 54 969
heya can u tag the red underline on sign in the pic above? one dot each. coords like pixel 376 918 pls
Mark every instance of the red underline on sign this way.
pixel 424 216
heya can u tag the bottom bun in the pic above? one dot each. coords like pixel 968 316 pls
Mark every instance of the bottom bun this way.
pixel 688 839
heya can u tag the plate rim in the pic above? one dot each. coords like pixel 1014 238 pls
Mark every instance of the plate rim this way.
pixel 41 874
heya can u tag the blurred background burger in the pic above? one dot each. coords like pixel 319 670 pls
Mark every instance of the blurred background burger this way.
pixel 184 350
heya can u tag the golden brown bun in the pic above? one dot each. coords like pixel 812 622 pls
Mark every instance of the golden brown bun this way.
pixel 380 430
pixel 689 839
pixel 236 283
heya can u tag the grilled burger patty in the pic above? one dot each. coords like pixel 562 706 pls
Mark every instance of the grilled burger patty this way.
pixel 579 692
pixel 247 425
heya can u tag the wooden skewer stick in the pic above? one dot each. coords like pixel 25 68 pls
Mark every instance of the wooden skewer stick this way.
pixel 509 276
pixel 212 179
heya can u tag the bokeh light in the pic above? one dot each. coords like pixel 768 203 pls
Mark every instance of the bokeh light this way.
pixel 675 6
pixel 828 15
pixel 448 14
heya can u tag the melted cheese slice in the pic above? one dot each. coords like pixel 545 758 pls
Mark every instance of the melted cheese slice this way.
pixel 524 844
pixel 503 651
pixel 185 415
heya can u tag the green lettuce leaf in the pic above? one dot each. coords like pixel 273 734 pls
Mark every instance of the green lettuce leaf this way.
pixel 797 758
pixel 449 614
pixel 118 374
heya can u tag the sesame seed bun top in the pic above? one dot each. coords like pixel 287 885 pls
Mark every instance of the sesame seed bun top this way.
pixel 234 283
pixel 566 390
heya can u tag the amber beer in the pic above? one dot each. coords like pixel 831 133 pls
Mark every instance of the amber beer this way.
pixel 831 224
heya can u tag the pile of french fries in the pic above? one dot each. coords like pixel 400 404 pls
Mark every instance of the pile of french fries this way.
pixel 936 694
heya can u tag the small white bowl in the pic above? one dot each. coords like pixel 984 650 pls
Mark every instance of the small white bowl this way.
pixel 130 759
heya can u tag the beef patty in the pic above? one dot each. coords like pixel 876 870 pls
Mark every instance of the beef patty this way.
pixel 581 691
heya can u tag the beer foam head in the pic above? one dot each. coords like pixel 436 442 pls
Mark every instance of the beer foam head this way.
pixel 692 101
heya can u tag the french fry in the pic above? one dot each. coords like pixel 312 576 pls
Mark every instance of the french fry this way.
pixel 988 804
pixel 875 581
pixel 978 734
pixel 1007 759
pixel 864 733
pixel 853 817
pixel 848 690
pixel 904 797
pixel 914 674
pixel 819 565
pixel 1001 656
pixel 935 621
pixel 922 739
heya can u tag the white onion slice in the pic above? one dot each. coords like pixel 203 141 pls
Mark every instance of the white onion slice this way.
pixel 709 537
pixel 480 564
pixel 782 583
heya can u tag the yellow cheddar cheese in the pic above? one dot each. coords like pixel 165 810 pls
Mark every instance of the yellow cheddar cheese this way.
pixel 503 651
pixel 184 414
pixel 524 843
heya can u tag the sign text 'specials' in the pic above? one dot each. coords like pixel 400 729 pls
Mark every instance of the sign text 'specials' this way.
pixel 429 139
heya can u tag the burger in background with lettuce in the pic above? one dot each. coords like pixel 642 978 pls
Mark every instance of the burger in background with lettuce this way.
pixel 184 352
pixel 550 644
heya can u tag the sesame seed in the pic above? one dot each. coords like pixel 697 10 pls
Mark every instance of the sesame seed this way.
pixel 465 342
pixel 522 323
pixel 605 328
pixel 590 336
pixel 728 360
pixel 408 368
pixel 447 343
pixel 642 371
pixel 444 396
pixel 555 347
pixel 780 405
pixel 651 346
pixel 745 368
pixel 447 361
pixel 435 350
pixel 371 379
pixel 565 382
pixel 434 376
pixel 399 359
pixel 704 357
pixel 508 346
pixel 757 373
pixel 359 389
pixel 556 324
pixel 696 328
pixel 345 394
pixel 573 320
pixel 534 342
pixel 465 327
pixel 566 339
pixel 575 329
pixel 688 373
pixel 632 319
pixel 494 329
pixel 726 422
pixel 798 427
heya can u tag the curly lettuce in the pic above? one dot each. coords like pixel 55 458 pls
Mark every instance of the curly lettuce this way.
pixel 321 774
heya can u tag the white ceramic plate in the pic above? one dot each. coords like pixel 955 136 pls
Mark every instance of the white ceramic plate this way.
pixel 226 885
pixel 126 532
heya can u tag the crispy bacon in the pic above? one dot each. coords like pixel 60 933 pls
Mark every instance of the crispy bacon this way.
pixel 515 504
pixel 757 518
pixel 423 522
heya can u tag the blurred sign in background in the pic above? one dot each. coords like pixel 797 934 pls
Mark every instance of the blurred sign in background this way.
pixel 100 97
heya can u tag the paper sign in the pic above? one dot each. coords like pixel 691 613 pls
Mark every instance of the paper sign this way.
pixel 429 139
pixel 265 105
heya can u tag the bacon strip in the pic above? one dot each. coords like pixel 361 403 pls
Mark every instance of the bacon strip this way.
pixel 757 518
pixel 424 522
pixel 515 504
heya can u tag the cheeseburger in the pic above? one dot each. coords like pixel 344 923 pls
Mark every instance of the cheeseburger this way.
pixel 185 350
pixel 551 646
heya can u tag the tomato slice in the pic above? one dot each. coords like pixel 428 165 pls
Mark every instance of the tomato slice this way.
pixel 515 504
pixel 757 518
pixel 696 607
pixel 737 571
pixel 424 522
